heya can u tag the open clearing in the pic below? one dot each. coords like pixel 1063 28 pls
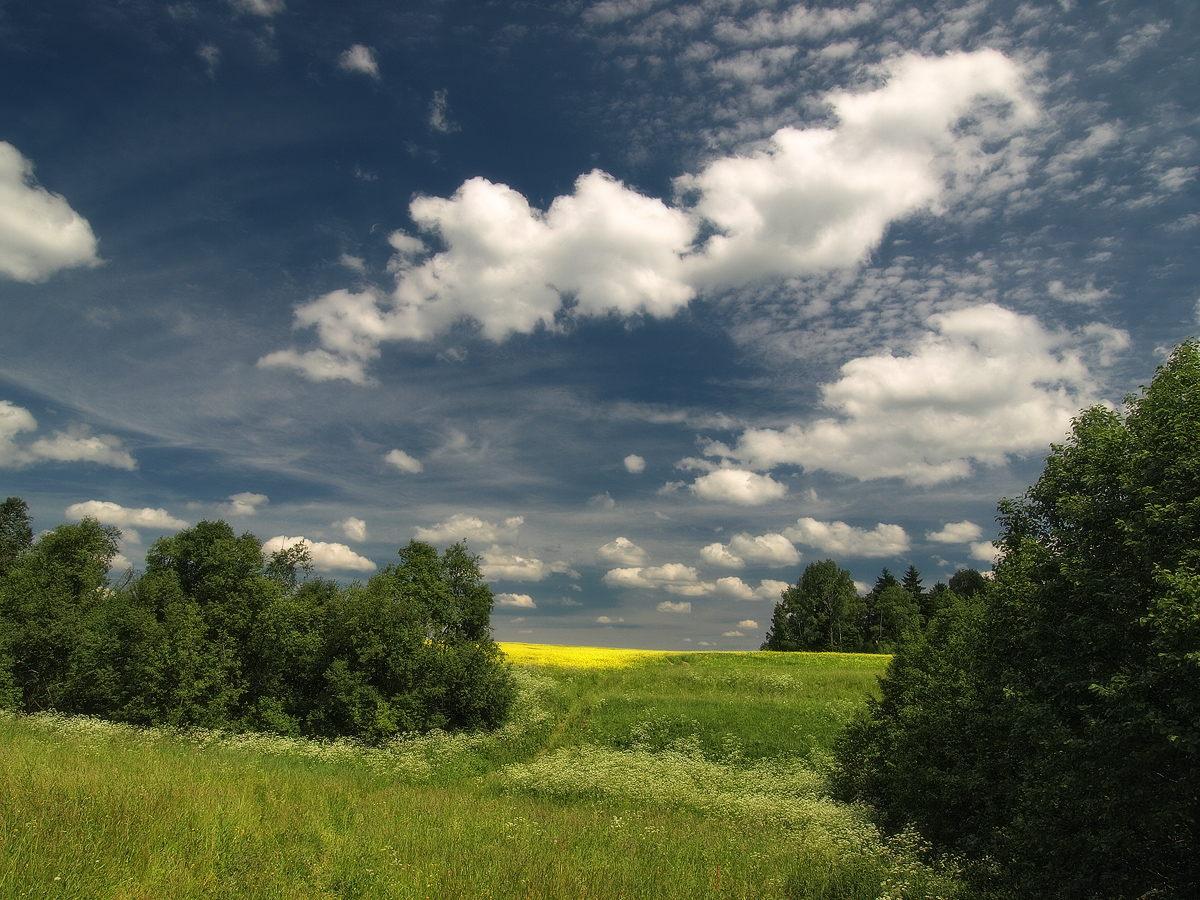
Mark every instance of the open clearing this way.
pixel 623 774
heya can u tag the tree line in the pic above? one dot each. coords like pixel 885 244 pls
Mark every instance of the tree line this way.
pixel 1045 729
pixel 823 610
pixel 216 634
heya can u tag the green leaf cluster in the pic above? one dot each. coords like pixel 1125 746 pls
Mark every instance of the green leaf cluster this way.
pixel 215 634
pixel 1048 728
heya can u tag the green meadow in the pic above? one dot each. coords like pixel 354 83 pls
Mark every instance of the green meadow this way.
pixel 621 775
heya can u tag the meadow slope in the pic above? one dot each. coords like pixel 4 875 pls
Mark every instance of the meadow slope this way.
pixel 624 774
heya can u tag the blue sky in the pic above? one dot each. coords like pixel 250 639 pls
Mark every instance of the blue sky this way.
pixel 651 303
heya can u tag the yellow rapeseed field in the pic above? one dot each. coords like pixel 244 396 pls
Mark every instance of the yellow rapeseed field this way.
pixel 576 657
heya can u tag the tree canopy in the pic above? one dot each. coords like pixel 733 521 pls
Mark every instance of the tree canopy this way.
pixel 217 635
pixel 1048 726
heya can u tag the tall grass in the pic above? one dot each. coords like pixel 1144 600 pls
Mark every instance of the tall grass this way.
pixel 570 800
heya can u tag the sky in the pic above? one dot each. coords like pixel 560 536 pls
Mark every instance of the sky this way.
pixel 652 304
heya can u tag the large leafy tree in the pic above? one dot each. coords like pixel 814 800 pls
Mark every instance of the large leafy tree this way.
pixel 821 611
pixel 1051 725
pixel 49 598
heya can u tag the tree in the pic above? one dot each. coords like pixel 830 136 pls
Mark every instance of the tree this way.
pixel 48 597
pixel 411 650
pixel 912 583
pixel 16 532
pixel 821 611
pixel 966 582
pixel 1050 723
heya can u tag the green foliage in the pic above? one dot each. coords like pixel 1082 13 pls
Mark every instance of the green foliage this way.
pixel 822 611
pixel 1049 725
pixel 411 650
pixel 48 600
pixel 215 635
pixel 16 532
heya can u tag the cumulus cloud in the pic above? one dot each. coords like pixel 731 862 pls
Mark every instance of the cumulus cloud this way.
pixel 404 462
pixel 771 550
pixel 499 565
pixel 39 232
pixel 325 557
pixel 360 58
pixel 846 540
pixel 622 551
pixel 246 504
pixel 822 198
pixel 738 486
pixel 747 623
pixel 75 444
pixel 813 199
pixel 984 551
pixel 732 634
pixel 126 519
pixel 353 528
pixel 675 606
pixel 674 577
pixel 515 601
pixel 733 588
pixel 634 464
pixel 982 384
pixel 470 530
pixel 956 533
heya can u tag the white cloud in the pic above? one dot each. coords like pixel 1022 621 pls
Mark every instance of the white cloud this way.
pixel 815 199
pixel 732 634
pixel 404 462
pixel 470 530
pixel 325 557
pixel 674 577
pixel 733 588
pixel 770 590
pixel 985 551
pixel 608 620
pixel 126 519
pixel 822 198
pixel 246 504
pixel 78 444
pixel 75 444
pixel 738 486
pixel 515 601
pixel 360 58
pixel 635 464
pixel 747 623
pixel 622 551
pixel 39 232
pixel 675 606
pixel 771 550
pixel 259 7
pixel 846 540
pixel 355 529
pixel 956 533
pixel 982 384
pixel 498 565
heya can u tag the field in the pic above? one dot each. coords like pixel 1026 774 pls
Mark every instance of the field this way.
pixel 624 774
